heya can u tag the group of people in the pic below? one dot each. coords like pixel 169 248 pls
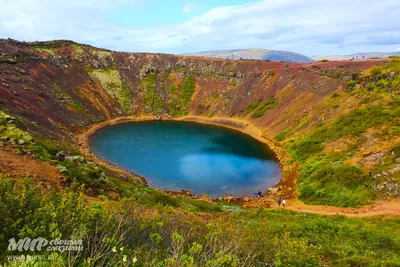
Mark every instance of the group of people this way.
pixel 280 201
pixel 356 58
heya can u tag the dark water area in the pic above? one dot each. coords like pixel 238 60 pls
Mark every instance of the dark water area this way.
pixel 183 155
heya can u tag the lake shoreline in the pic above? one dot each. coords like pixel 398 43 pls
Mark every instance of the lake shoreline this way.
pixel 285 186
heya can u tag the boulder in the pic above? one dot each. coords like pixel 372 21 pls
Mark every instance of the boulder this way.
pixel 60 156
pixel 62 169
pixel 205 197
pixel 79 159
pixel 123 177
pixel 273 190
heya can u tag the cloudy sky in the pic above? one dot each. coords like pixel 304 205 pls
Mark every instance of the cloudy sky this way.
pixel 311 27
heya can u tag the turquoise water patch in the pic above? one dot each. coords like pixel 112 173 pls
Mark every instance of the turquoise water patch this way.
pixel 182 155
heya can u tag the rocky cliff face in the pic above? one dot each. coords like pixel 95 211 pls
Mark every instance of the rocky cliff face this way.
pixel 58 87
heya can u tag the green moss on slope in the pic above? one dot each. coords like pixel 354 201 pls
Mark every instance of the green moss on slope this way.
pixel 271 103
pixel 188 87
pixel 179 97
pixel 153 100
pixel 251 107
pixel 111 81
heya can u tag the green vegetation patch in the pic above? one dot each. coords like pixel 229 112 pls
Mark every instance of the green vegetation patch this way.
pixel 396 151
pixel 78 51
pixel 111 81
pixel 52 44
pixel 10 131
pixel 271 103
pixel 212 113
pixel 46 50
pixel 179 96
pixel 214 96
pixel 251 107
pixel 153 100
pixel 385 78
pixel 325 178
pixel 354 124
pixel 281 136
pixel 79 106
pixel 188 88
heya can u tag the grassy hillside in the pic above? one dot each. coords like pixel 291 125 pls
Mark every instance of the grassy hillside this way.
pixel 351 159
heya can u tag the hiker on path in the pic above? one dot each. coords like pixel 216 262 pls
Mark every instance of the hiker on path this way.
pixel 279 202
pixel 259 194
pixel 284 203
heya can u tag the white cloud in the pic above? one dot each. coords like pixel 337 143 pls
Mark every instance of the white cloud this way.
pixel 188 7
pixel 310 27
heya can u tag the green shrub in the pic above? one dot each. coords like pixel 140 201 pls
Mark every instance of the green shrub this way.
pixel 44 149
pixel 78 106
pixel 351 84
pixel 281 136
pixel 335 95
pixel 214 96
pixel 252 106
pixel 212 113
pixel 396 151
pixel 88 69
pixel 86 173
pixel 271 103
pixel 302 150
pixel 201 206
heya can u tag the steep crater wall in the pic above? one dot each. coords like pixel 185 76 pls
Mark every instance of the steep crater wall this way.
pixel 58 86
pixel 58 89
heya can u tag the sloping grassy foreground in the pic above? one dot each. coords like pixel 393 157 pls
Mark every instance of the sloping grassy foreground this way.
pixel 133 232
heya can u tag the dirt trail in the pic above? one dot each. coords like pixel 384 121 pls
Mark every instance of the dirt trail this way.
pixel 390 207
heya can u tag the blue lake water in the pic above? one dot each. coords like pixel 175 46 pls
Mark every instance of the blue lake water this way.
pixel 183 155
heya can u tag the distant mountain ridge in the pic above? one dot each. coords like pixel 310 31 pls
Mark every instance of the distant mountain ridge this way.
pixel 255 53
pixel 359 55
